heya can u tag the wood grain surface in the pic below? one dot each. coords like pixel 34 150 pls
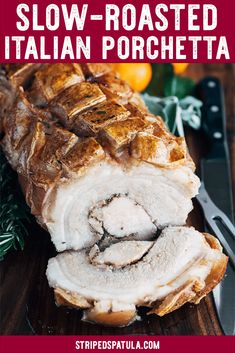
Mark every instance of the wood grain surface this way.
pixel 27 303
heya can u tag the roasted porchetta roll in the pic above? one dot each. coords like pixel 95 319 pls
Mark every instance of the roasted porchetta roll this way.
pixel 105 177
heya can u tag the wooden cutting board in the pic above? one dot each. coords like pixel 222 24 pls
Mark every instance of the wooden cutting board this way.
pixel 27 303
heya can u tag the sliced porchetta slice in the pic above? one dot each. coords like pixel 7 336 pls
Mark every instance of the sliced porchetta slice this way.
pixel 109 199
pixel 181 266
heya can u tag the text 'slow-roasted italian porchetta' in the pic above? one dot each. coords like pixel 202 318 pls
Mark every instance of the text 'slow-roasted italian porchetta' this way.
pixel 112 186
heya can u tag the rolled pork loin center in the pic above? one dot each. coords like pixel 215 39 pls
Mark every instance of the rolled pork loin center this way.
pixel 120 254
pixel 121 217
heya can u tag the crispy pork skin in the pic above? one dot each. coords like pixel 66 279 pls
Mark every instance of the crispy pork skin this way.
pixel 105 177
pixel 162 274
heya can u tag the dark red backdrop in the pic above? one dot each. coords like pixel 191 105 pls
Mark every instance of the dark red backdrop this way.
pixel 67 344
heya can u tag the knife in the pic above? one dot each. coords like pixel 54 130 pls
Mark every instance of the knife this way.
pixel 215 194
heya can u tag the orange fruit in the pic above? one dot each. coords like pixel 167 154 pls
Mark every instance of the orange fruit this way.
pixel 179 68
pixel 138 75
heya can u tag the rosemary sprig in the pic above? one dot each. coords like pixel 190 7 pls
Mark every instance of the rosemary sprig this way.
pixel 14 212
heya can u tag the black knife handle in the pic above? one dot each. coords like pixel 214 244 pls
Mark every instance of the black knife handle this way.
pixel 210 92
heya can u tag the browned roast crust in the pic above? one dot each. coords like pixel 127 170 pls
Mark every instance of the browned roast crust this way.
pixel 118 134
pixel 17 123
pixel 77 106
pixel 195 290
pixel 217 272
pixel 89 122
pixel 115 88
pixel 176 299
pixel 118 318
pixel 70 299
pixel 6 97
pixel 155 150
pixel 21 74
pixel 75 100
pixel 83 154
pixel 73 300
pixel 52 79
pixel 94 70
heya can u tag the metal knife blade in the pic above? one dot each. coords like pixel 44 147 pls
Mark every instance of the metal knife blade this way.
pixel 215 175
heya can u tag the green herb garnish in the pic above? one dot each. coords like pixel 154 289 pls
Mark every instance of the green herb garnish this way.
pixel 13 211
pixel 165 82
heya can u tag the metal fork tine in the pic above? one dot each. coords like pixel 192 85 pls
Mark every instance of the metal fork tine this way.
pixel 217 213
pixel 222 239
pixel 227 224
pixel 213 213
